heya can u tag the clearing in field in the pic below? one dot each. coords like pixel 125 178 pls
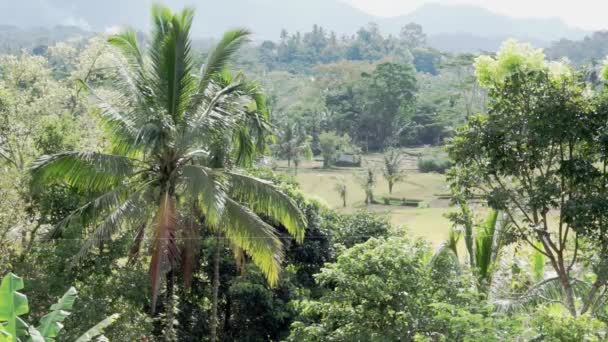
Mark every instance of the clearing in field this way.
pixel 427 220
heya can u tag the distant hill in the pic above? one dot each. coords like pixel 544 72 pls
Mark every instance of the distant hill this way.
pixel 592 49
pixel 465 42
pixel 470 21
pixel 451 28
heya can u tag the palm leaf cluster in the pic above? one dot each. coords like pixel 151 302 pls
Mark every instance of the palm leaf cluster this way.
pixel 294 145
pixel 179 137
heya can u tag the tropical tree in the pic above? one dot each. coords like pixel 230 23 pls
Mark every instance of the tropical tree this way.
pixel 331 145
pixel 342 190
pixel 162 168
pixel 368 181
pixel 538 155
pixel 392 168
pixel 294 145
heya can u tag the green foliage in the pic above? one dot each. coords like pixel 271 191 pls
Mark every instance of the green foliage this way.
pixel 488 243
pixel 450 247
pixel 14 304
pixel 378 290
pixel 51 323
pixel 353 229
pixel 375 107
pixel 294 145
pixel 538 150
pixel 332 145
pixel 470 323
pixel 173 134
pixel 434 163
pixel 512 57
pixel 392 168
pixel 342 190
pixel 591 49
pixel 300 51
pixel 537 263
pixel 98 329
pixel 552 324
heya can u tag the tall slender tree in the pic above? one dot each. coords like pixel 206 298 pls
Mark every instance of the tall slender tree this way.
pixel 392 168
pixel 162 164
pixel 294 145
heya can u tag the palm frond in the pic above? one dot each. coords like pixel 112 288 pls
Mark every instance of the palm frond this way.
pixel 546 291
pixel 136 245
pixel 257 238
pixel 484 245
pixel 126 43
pixel 244 148
pixel 265 198
pixel 90 171
pixel 132 208
pixel 122 124
pixel 90 211
pixel 221 55
pixel 449 249
pixel 176 65
pixel 205 188
pixel 165 250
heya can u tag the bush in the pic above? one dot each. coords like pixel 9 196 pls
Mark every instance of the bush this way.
pixel 434 163
pixel 356 228
pixel 381 290
pixel 554 324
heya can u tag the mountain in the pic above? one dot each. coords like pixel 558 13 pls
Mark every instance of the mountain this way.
pixel 439 19
pixel 452 28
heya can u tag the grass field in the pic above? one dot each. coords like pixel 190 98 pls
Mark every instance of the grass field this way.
pixel 428 221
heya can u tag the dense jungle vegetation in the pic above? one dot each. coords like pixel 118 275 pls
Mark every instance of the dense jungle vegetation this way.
pixel 149 187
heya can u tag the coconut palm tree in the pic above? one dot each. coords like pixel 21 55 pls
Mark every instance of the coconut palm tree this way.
pixel 392 168
pixel 161 169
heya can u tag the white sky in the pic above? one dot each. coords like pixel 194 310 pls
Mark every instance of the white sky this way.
pixel 586 14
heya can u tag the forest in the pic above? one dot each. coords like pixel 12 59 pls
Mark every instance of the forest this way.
pixel 157 186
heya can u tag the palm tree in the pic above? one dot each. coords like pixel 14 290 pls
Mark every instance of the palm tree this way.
pixel 162 169
pixel 392 172
pixel 484 243
pixel 294 145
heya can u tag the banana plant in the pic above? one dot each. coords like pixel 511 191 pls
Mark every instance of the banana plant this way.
pixel 14 304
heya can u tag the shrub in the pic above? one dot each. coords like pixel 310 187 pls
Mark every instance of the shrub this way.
pixel 356 228
pixel 381 290
pixel 434 163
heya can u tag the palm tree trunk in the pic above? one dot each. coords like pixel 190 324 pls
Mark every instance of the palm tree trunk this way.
pixel 170 334
pixel 390 187
pixel 216 289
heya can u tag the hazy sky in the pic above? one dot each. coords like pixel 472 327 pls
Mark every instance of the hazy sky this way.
pixel 587 14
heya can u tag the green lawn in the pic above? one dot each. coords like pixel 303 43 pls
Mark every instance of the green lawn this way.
pixel 429 223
